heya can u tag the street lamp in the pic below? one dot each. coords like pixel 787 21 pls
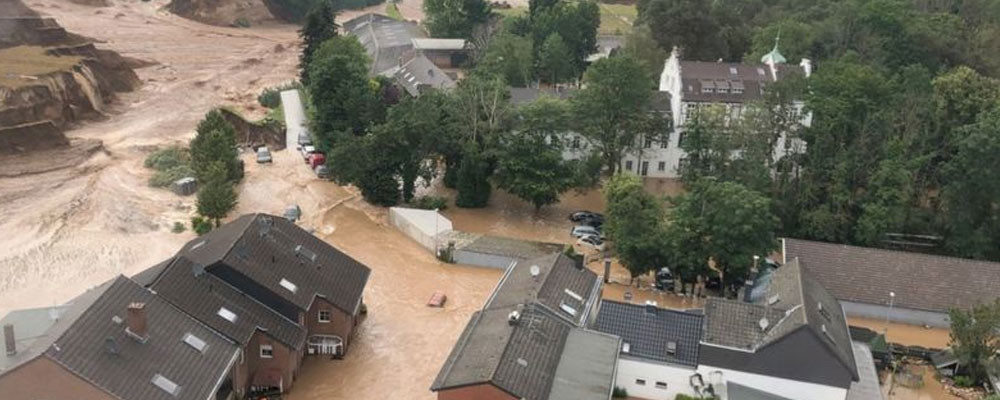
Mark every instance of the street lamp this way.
pixel 892 297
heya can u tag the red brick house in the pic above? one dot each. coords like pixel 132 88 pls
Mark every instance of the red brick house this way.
pixel 278 291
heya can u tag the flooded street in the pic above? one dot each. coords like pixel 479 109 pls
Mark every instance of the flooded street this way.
pixel 910 335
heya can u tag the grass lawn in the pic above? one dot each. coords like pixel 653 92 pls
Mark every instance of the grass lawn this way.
pixel 18 64
pixel 392 11
pixel 616 19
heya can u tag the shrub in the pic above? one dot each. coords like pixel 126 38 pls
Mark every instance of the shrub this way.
pixel 164 159
pixel 271 97
pixel 165 178
pixel 964 381
pixel 178 228
pixel 241 22
pixel 619 393
pixel 201 225
pixel 430 203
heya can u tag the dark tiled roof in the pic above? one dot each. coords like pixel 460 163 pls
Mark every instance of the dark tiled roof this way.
pixel 558 280
pixel 648 329
pixel 736 391
pixel 385 39
pixel 751 78
pixel 794 301
pixel 202 297
pixel 419 75
pixel 659 101
pixel 920 281
pixel 128 375
pixel 521 358
pixel 269 249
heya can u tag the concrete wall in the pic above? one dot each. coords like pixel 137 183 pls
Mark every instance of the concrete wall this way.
pixel 676 378
pixel 781 387
pixel 477 392
pixel 482 259
pixel 899 314
pixel 43 379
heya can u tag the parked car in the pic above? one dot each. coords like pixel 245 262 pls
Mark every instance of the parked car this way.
pixel 322 172
pixel 304 139
pixel 580 231
pixel 664 279
pixel 586 215
pixel 316 159
pixel 306 151
pixel 594 242
pixel 263 155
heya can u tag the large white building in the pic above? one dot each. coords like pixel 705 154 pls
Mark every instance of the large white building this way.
pixel 686 87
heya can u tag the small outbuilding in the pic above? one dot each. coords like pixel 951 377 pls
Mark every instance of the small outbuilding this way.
pixel 185 186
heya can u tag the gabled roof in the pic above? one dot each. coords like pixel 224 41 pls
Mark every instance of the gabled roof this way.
pixel 129 371
pixel 385 39
pixel 567 289
pixel 420 74
pixel 524 358
pixel 202 295
pixel 794 302
pixel 748 79
pixel 920 281
pixel 649 330
pixel 283 258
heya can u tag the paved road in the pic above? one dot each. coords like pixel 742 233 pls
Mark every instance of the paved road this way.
pixel 295 117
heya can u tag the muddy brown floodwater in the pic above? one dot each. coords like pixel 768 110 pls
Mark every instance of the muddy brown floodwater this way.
pixel 910 335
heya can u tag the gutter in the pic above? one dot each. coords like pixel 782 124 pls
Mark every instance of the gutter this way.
pixel 222 377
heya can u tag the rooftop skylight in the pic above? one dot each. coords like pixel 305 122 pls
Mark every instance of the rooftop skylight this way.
pixel 166 385
pixel 195 342
pixel 285 283
pixel 573 295
pixel 228 315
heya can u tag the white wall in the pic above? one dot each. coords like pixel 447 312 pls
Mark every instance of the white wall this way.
pixel 420 225
pixel 782 387
pixel 677 379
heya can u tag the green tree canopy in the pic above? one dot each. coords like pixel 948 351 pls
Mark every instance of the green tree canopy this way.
pixel 635 222
pixel 319 26
pixel 343 96
pixel 975 337
pixel 215 141
pixel 555 62
pixel 509 56
pixel 216 198
pixel 455 18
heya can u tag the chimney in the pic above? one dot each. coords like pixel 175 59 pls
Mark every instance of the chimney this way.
pixel 8 338
pixel 650 307
pixel 807 67
pixel 136 320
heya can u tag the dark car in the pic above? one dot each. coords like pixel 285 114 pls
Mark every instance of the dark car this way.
pixel 664 279
pixel 585 215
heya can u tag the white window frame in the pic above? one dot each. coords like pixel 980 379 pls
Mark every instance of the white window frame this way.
pixel 319 316
pixel 269 349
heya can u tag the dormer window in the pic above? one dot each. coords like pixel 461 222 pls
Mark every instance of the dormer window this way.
pixel 732 71
pixel 568 309
pixel 573 295
pixel 707 86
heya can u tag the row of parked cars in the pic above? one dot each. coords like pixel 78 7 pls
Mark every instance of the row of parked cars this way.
pixel 314 158
pixel 588 231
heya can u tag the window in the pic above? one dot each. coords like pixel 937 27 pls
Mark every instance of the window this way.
pixel 671 347
pixel 680 140
pixel 648 143
pixel 285 283
pixel 567 309
pixel 324 316
pixel 266 351
pixel 661 385
pixel 628 165
pixel 576 142
pixel 573 295
pixel 737 90
pixel 732 71
pixel 166 385
pixel 195 342
pixel 228 315
pixel 706 89
pixel 661 166
pixel 664 142
pixel 640 382
pixel 625 347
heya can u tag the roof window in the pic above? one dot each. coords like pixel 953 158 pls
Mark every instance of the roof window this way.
pixel 625 347
pixel 732 71
pixel 285 283
pixel 199 244
pixel 228 315
pixel 671 347
pixel 304 252
pixel 573 295
pixel 166 385
pixel 195 342
pixel 567 309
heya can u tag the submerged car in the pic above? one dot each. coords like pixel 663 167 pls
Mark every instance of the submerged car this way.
pixel 592 241
pixel 580 231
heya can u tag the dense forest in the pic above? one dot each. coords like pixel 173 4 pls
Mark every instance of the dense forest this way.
pixel 903 146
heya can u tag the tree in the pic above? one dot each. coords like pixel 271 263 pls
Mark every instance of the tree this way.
pixel 575 24
pixel 708 143
pixel 319 26
pixel 635 224
pixel 455 18
pixel 342 94
pixel 509 56
pixel 723 221
pixel 414 131
pixel 639 44
pixel 609 109
pixel 974 337
pixel 215 141
pixel 530 165
pixel 688 24
pixel 217 196
pixel 473 179
pixel 555 62
pixel 972 189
